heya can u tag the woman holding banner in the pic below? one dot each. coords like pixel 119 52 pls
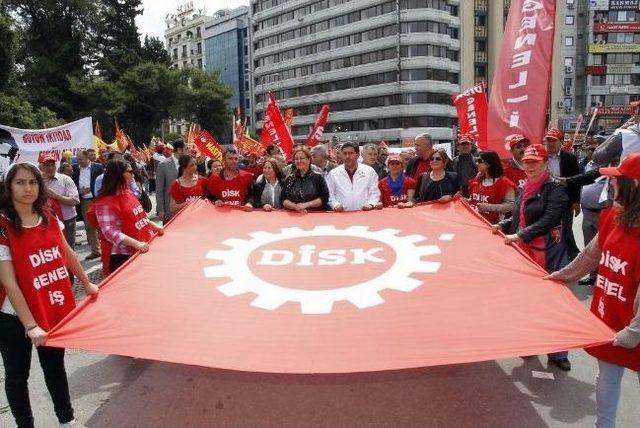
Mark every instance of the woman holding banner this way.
pixel 490 191
pixel 36 292
pixel 265 190
pixel 438 184
pixel 616 301
pixel 304 189
pixel 122 220
pixel 189 185
pixel 536 223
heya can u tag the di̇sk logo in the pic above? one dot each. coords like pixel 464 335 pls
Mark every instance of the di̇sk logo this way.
pixel 319 267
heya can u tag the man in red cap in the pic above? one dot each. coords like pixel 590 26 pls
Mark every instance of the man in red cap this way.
pixel 463 164
pixel 624 141
pixel 516 144
pixel 564 164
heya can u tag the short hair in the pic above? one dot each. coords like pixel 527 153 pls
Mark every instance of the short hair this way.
pixel 178 144
pixel 271 149
pixel 277 168
pixel 371 146
pixel 90 149
pixel 351 144
pixel 492 160
pixel 84 153
pixel 303 149
pixel 445 156
pixel 426 136
pixel 229 151
pixel 320 149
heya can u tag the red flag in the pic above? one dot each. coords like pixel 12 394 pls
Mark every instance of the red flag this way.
pixel 318 126
pixel 520 91
pixel 122 139
pixel 274 130
pixel 329 293
pixel 97 131
pixel 208 145
pixel 472 114
pixel 250 146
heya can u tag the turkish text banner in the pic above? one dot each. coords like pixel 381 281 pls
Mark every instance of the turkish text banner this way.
pixel 329 293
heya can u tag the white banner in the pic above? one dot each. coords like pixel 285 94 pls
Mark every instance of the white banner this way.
pixel 26 144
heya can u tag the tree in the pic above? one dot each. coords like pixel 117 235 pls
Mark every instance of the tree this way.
pixel 8 49
pixel 204 101
pixel 153 51
pixel 56 40
pixel 117 38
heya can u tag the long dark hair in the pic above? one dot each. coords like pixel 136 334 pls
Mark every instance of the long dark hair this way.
pixel 629 199
pixel 491 158
pixel 113 180
pixel 6 200
pixel 183 163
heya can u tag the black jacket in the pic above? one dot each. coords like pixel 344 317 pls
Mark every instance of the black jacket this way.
pixel 568 168
pixel 255 192
pixel 304 189
pixel 543 212
pixel 96 170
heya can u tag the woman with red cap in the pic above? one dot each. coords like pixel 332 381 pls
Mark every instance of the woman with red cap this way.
pixel 536 221
pixel 36 291
pixel 122 220
pixel 490 191
pixel 189 185
pixel 616 301
pixel 396 189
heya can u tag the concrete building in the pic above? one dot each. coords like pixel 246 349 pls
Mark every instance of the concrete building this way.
pixel 183 36
pixel 386 67
pixel 614 60
pixel 227 52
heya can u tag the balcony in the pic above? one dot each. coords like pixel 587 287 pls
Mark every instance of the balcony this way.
pixel 481 6
pixel 481 57
pixel 481 31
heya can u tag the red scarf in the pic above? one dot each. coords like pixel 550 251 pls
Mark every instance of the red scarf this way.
pixel 530 189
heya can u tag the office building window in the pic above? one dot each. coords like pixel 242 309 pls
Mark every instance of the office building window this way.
pixel 569 19
pixel 568 41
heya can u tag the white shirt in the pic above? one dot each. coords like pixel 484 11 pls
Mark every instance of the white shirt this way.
pixel 353 195
pixel 84 180
pixel 63 185
pixel 554 165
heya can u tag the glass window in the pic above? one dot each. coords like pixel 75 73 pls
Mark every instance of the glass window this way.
pixel 568 41
pixel 569 19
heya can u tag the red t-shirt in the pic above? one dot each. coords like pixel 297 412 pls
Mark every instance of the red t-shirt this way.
pixel 516 175
pixel 37 254
pixel 421 167
pixel 387 198
pixel 616 286
pixel 231 192
pixel 493 194
pixel 181 194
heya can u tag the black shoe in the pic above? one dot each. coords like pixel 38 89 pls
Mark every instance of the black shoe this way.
pixel 92 256
pixel 587 280
pixel 563 364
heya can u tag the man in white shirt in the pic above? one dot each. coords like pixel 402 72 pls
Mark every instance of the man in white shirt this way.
pixel 63 193
pixel 353 186
pixel 85 175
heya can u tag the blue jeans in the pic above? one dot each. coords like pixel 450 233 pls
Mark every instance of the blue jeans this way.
pixel 608 393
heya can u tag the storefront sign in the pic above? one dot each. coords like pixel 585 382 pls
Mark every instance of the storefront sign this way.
pixel 614 48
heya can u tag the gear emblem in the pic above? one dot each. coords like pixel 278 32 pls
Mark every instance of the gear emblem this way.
pixel 363 295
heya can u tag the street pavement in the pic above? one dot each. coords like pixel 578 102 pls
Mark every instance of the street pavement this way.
pixel 115 391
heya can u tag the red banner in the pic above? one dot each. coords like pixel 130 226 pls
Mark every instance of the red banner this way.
pixel 616 27
pixel 471 106
pixel 329 293
pixel 274 130
pixel 247 145
pixel 520 92
pixel 208 145
pixel 595 70
pixel 318 126
pixel 613 110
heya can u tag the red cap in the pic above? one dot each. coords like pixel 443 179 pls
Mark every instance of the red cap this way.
pixel 46 157
pixel 535 152
pixel 465 138
pixel 394 158
pixel 554 134
pixel 514 139
pixel 629 167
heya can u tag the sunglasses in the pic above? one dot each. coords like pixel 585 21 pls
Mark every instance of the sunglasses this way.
pixel 433 158
pixel 479 160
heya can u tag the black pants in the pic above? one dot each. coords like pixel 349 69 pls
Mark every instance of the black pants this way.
pixel 567 232
pixel 16 356
pixel 117 260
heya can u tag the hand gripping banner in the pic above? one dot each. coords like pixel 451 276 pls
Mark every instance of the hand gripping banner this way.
pixel 520 89
pixel 329 293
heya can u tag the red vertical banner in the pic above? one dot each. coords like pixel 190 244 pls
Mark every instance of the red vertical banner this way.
pixel 274 129
pixel 472 107
pixel 520 91
pixel 318 126
pixel 208 145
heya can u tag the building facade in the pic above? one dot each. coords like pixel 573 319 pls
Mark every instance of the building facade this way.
pixel 183 37
pixel 613 67
pixel 227 53
pixel 387 68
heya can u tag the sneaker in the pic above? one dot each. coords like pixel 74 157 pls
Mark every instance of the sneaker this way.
pixel 562 363
pixel 92 256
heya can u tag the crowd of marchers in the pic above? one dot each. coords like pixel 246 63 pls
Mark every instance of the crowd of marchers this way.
pixel 531 198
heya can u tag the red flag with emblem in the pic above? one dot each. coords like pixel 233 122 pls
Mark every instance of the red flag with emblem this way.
pixel 329 293
pixel 208 145
pixel 318 126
